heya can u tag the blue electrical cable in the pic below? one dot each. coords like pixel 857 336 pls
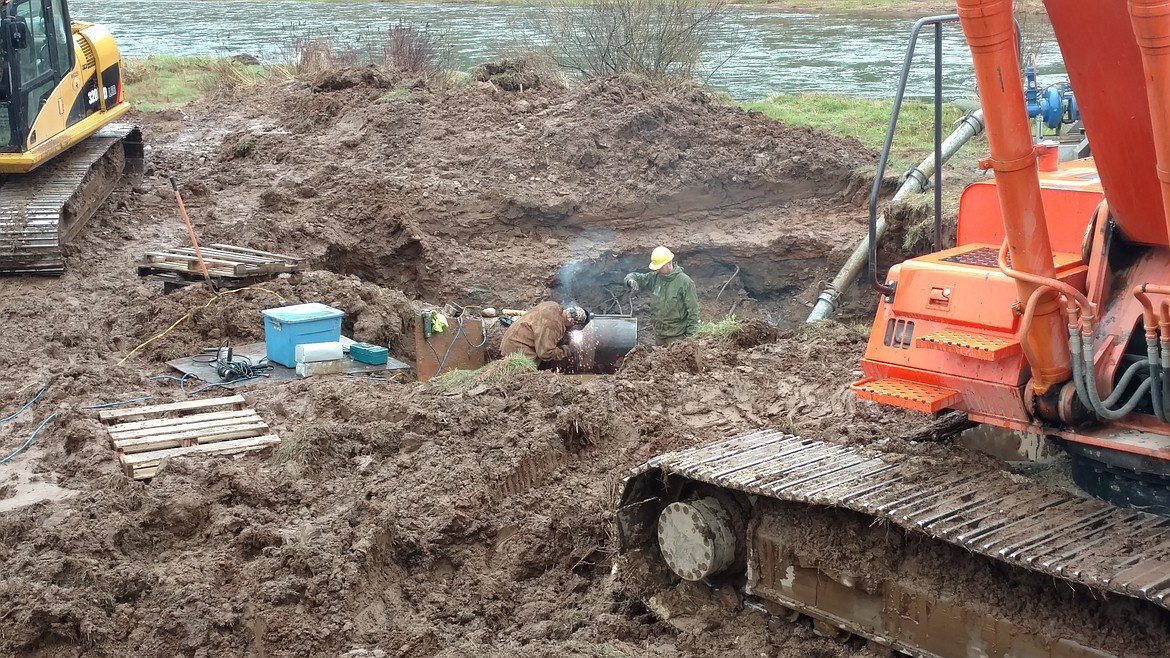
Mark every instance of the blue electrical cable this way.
pixel 116 404
pixel 223 384
pixel 181 380
pixel 26 406
pixel 30 439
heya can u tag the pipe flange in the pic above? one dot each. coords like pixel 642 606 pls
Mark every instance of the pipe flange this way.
pixel 696 538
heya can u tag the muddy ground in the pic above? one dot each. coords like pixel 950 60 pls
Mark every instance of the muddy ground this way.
pixel 402 519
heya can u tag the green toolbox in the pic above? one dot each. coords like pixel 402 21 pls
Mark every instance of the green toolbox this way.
pixel 367 353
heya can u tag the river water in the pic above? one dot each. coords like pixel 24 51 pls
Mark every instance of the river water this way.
pixel 754 54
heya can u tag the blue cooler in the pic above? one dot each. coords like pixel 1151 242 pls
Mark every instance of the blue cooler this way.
pixel 289 326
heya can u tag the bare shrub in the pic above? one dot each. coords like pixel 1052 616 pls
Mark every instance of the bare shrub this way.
pixel 402 48
pixel 417 51
pixel 1035 29
pixel 654 38
pixel 312 54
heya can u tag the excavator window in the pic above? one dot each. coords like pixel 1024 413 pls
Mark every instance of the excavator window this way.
pixel 34 59
pixel 38 62
pixel 12 36
pixel 62 38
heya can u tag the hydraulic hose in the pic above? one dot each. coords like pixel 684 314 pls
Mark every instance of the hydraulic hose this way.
pixel 1156 388
pixel 1164 365
pixel 1087 387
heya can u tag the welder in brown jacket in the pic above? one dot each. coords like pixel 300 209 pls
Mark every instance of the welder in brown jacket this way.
pixel 539 331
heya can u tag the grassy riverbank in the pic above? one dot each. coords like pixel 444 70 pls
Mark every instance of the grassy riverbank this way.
pixel 866 120
pixel 161 82
pixel 917 7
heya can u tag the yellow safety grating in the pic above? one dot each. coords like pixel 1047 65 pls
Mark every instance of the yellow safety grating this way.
pixel 976 346
pixel 905 394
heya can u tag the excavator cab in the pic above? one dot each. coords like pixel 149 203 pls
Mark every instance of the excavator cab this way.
pixel 37 55
pixel 61 154
pixel 50 99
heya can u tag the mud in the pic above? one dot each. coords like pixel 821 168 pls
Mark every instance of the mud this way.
pixel 407 519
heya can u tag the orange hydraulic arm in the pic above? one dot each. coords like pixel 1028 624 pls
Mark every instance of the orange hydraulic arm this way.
pixel 990 32
pixel 1151 26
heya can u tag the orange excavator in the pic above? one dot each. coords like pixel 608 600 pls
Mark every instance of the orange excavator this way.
pixel 1050 323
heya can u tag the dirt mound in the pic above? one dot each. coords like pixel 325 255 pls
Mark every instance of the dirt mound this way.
pixel 373 314
pixel 450 191
pixel 509 75
pixel 401 518
pixel 408 519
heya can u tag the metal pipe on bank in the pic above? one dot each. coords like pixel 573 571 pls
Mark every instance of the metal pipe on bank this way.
pixel 916 182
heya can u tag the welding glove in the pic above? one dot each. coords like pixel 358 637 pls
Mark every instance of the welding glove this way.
pixel 631 282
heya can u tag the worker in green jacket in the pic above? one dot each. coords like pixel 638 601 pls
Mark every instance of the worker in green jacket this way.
pixel 674 306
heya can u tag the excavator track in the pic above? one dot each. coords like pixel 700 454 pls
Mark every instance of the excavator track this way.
pixel 45 209
pixel 778 502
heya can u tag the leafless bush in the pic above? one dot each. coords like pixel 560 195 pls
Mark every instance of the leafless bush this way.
pixel 1035 29
pixel 417 51
pixel 402 48
pixel 654 38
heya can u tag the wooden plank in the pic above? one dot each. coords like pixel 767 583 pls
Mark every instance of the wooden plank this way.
pixel 239 259
pixel 257 252
pixel 180 420
pixel 198 437
pixel 187 259
pixel 184 427
pixel 221 448
pixel 228 256
pixel 185 268
pixel 189 405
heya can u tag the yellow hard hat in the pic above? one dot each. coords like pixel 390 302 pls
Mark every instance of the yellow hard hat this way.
pixel 660 256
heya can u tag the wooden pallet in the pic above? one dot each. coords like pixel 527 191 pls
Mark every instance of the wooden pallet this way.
pixel 222 260
pixel 145 436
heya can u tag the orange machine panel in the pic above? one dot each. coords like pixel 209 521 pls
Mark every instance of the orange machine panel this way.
pixel 964 287
pixel 1070 195
pixel 949 338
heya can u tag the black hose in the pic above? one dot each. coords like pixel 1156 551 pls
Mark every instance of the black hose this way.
pixel 1165 390
pixel 1156 392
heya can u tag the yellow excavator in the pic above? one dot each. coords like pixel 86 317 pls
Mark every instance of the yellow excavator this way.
pixel 61 152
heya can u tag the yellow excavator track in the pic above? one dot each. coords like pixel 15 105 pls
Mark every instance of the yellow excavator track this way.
pixel 45 209
pixel 916 556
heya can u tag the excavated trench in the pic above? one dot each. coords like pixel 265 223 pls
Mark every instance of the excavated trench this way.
pixel 411 519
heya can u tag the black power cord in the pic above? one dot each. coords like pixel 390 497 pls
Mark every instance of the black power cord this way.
pixel 230 367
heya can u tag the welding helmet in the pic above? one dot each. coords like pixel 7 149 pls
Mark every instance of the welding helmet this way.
pixel 661 256
pixel 577 315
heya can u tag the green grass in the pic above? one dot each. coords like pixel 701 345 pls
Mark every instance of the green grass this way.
pixel 728 327
pixel 918 7
pixel 464 380
pixel 842 6
pixel 393 93
pixel 866 120
pixel 161 82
